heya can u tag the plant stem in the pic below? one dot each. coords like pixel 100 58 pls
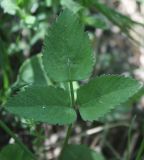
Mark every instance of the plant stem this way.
pixel 67 136
pixel 17 140
pixel 5 79
pixel 140 152
pixel 69 130
pixel 128 156
pixel 72 94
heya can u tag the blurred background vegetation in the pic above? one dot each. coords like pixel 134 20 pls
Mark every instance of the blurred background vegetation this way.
pixel 116 31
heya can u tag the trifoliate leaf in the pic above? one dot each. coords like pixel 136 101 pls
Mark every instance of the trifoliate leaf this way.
pixel 43 104
pixel 32 72
pixel 13 151
pixel 104 93
pixel 77 152
pixel 67 53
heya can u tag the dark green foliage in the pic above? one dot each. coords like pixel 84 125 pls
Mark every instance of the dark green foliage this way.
pixel 104 93
pixel 67 50
pixel 13 151
pixel 77 152
pixel 43 104
pixel 67 57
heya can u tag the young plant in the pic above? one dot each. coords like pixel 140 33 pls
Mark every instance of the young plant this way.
pixel 67 57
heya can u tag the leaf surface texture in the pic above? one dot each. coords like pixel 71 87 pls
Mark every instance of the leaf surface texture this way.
pixel 67 53
pixel 104 93
pixel 43 104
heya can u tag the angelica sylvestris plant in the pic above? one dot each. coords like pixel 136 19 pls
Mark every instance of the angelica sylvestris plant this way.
pixel 67 57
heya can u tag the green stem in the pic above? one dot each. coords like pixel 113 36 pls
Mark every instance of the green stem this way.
pixel 5 79
pixel 72 94
pixel 69 130
pixel 17 140
pixel 67 136
pixel 140 152
pixel 129 138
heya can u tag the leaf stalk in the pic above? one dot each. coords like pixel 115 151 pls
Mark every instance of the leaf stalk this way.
pixel 69 130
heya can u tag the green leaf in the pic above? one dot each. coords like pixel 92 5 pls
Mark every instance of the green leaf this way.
pixel 9 6
pixel 43 104
pixel 32 72
pixel 77 152
pixel 48 3
pixel 104 93
pixel 95 21
pixel 29 19
pixel 67 53
pixel 71 5
pixel 13 151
